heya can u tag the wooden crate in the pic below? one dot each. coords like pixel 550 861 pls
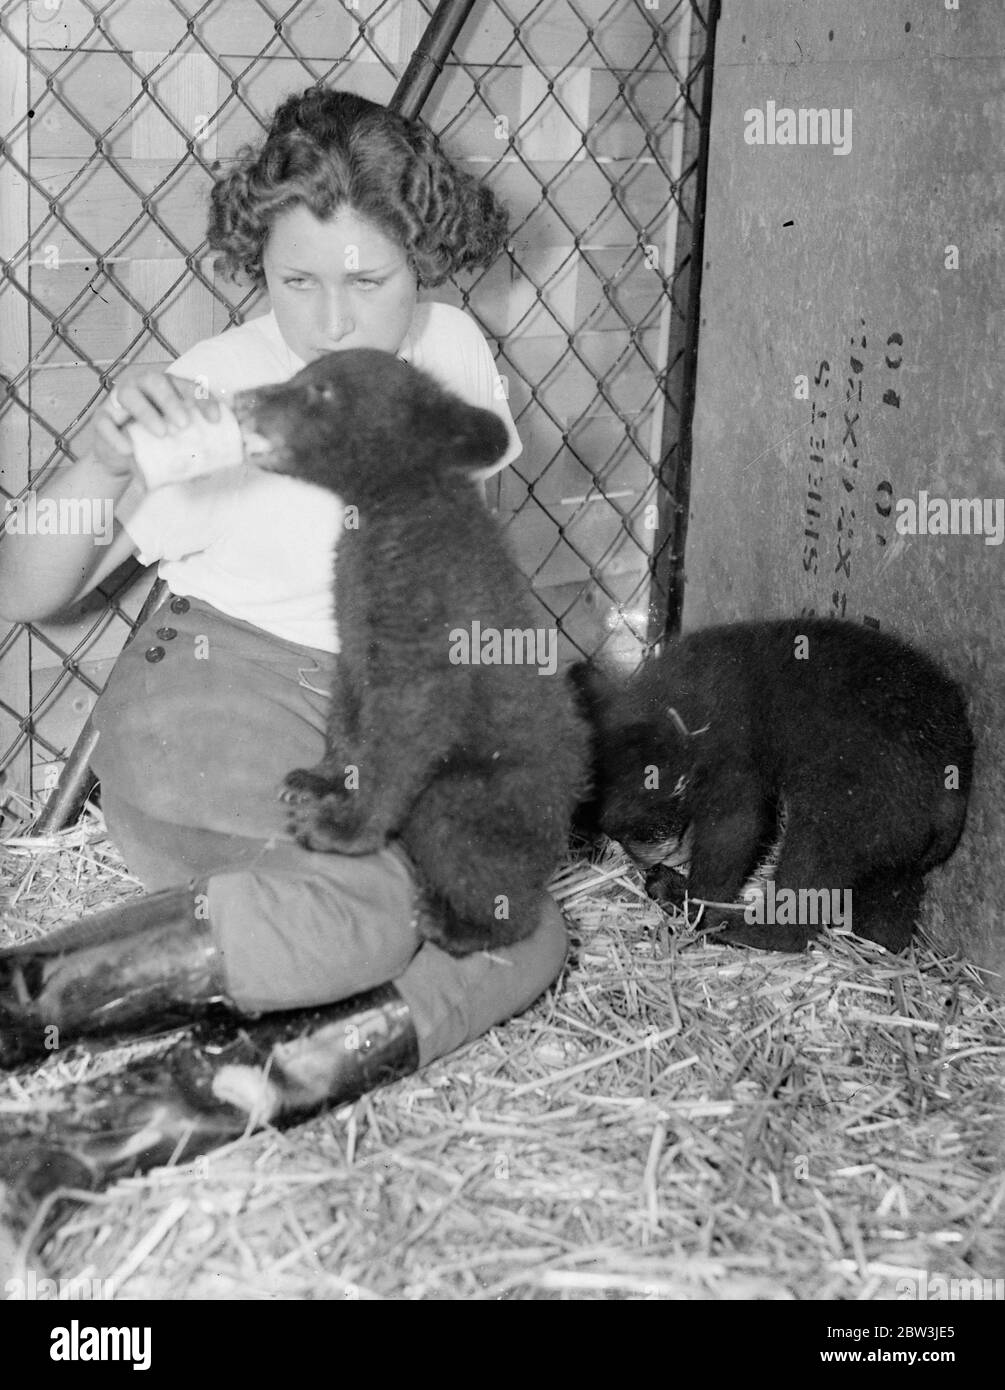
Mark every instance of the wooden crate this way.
pixel 845 364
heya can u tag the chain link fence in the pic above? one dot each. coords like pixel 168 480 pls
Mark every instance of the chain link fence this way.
pixel 583 115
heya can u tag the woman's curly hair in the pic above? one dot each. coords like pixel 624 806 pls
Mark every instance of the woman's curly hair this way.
pixel 327 150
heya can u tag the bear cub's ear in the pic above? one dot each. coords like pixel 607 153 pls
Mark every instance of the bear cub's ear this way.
pixel 471 438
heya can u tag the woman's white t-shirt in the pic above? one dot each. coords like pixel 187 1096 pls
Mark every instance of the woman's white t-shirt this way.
pixel 259 546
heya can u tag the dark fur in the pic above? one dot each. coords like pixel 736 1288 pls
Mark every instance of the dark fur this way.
pixel 476 768
pixel 854 741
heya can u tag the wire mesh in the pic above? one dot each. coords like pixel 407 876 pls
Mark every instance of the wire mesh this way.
pixel 581 114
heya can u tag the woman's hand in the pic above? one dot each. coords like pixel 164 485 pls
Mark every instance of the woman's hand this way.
pixel 162 403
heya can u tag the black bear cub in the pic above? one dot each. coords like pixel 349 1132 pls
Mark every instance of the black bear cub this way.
pixel 451 728
pixel 852 740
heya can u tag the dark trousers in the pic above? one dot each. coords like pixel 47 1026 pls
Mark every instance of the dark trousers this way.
pixel 201 719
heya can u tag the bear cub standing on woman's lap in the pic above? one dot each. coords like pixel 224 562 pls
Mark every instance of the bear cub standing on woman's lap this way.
pixel 476 768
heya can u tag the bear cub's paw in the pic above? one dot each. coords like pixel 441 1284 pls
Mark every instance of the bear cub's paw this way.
pixel 326 817
pixel 667 887
pixel 440 925
pixel 726 926
pixel 767 937
pixel 306 783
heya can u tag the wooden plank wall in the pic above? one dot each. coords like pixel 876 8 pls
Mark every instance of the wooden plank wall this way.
pixel 853 341
pixel 581 329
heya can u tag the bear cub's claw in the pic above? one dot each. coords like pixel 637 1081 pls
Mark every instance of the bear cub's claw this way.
pixel 306 783
pixel 323 816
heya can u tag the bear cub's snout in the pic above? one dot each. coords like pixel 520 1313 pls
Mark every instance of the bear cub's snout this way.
pixel 362 413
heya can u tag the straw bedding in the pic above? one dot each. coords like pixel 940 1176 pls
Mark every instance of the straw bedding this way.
pixel 674 1120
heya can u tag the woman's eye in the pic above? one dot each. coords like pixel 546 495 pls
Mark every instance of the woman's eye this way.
pixel 301 282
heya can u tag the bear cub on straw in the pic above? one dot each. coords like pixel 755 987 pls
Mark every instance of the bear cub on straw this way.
pixel 841 752
pixel 476 768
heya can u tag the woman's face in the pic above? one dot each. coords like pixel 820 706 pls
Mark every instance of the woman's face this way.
pixel 337 284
